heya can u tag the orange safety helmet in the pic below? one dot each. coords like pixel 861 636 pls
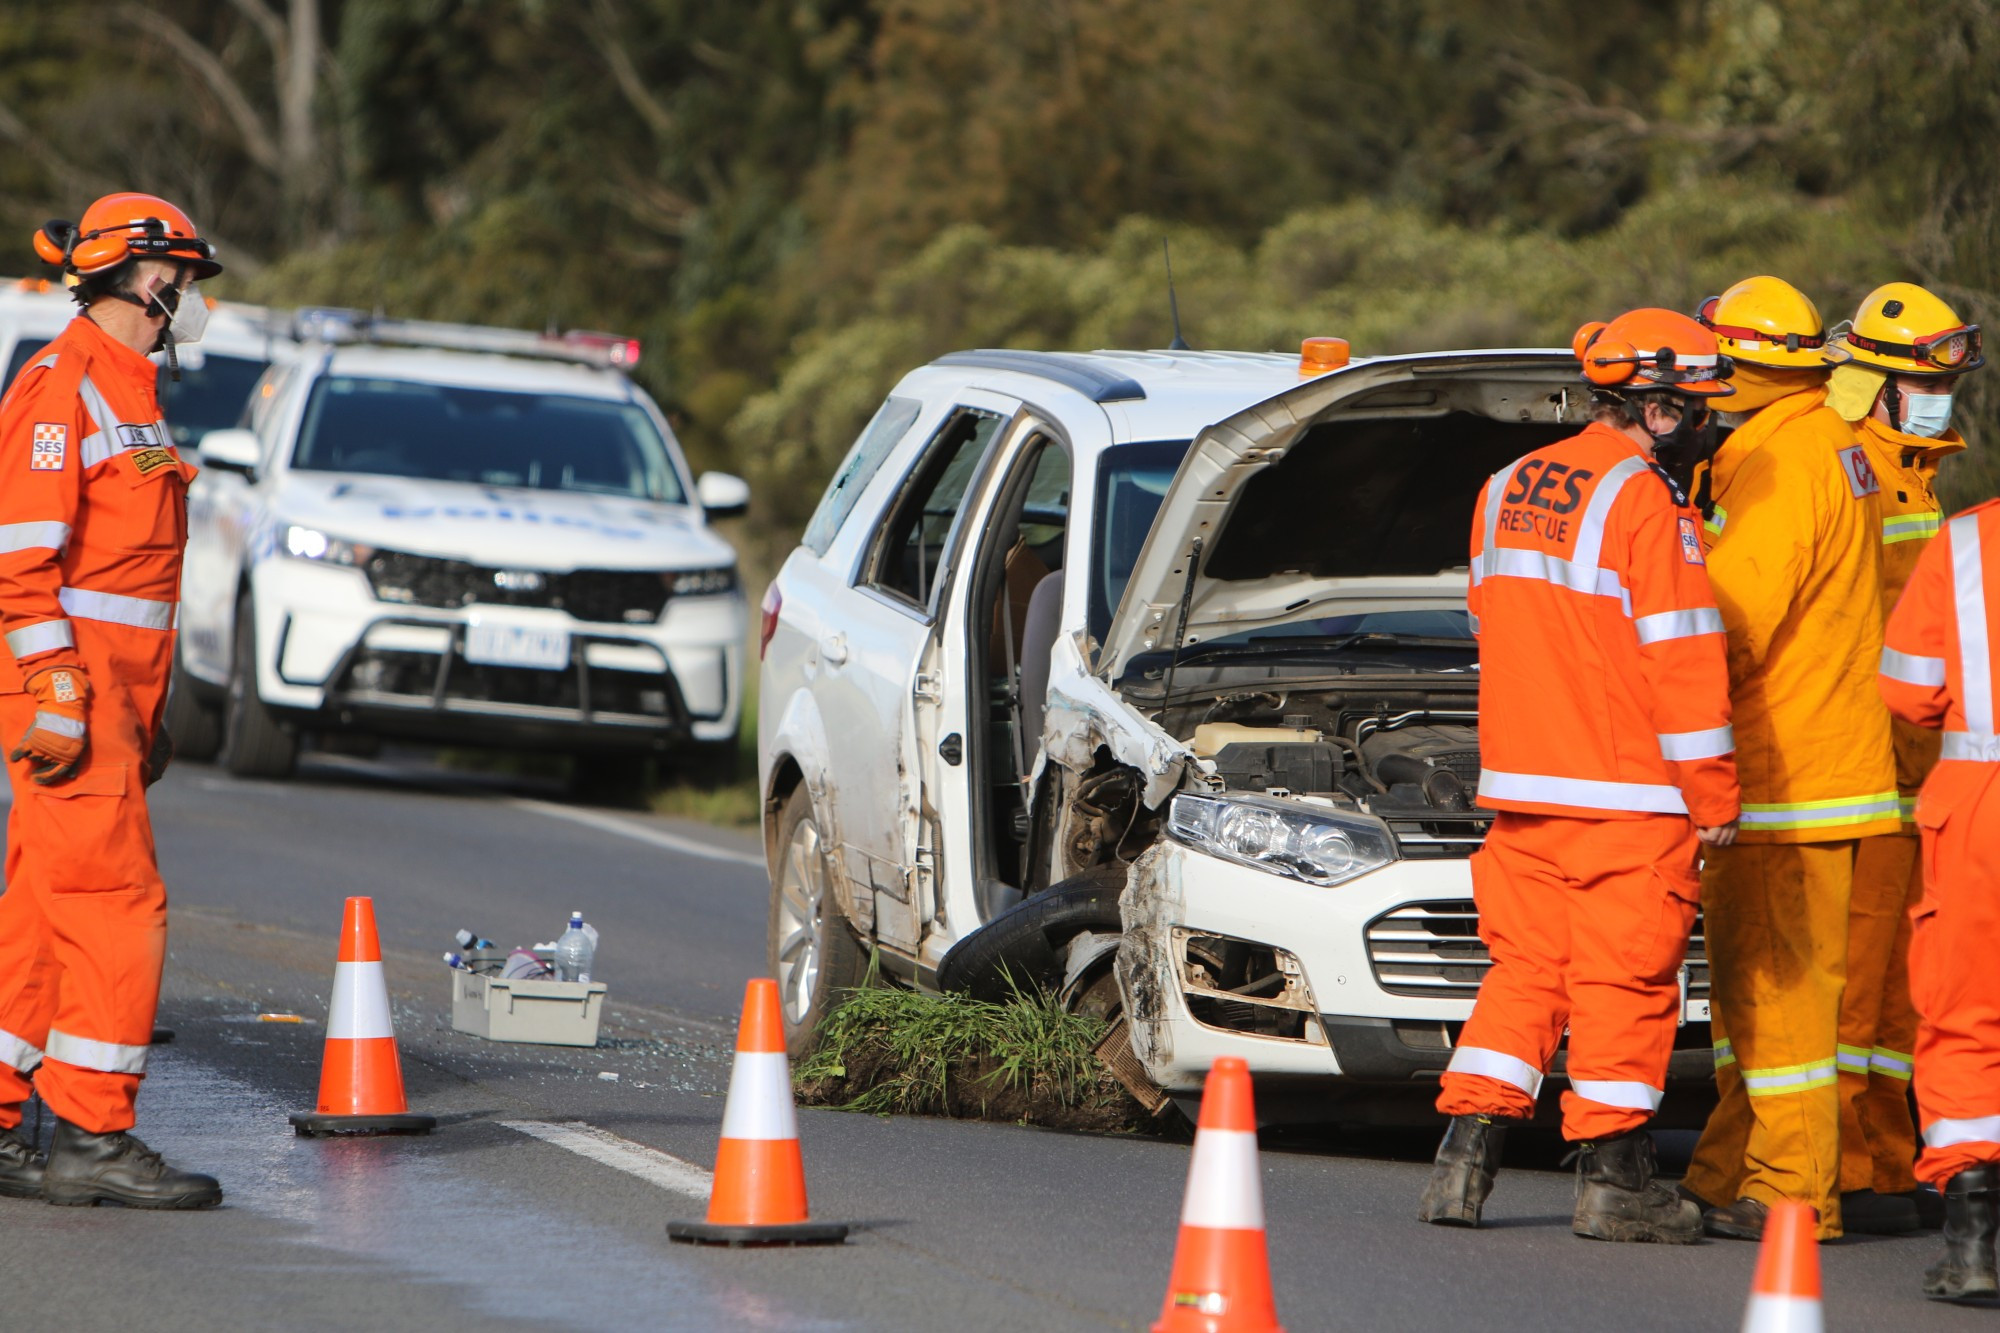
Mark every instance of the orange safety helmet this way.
pixel 120 227
pixel 1653 351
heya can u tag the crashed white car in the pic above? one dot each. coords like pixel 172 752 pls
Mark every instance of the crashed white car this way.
pixel 1147 676
pixel 463 536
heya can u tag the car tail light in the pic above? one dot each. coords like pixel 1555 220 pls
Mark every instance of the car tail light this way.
pixel 774 601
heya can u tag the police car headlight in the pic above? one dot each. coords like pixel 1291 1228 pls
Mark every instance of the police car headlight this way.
pixel 701 582
pixel 1307 843
pixel 303 543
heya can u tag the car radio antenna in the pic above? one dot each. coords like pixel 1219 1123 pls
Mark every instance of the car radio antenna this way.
pixel 1179 344
pixel 1180 629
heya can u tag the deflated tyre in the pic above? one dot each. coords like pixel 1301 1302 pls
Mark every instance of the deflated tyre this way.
pixel 1027 945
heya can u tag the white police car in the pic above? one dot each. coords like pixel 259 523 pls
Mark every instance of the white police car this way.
pixel 461 536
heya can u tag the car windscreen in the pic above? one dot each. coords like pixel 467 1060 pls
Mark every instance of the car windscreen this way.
pixel 209 396
pixel 488 437
pixel 1132 481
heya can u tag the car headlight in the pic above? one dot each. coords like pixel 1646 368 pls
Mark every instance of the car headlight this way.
pixel 701 582
pixel 302 543
pixel 1307 843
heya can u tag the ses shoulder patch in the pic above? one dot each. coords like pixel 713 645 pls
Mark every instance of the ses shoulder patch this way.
pixel 50 448
pixel 1861 478
pixel 1691 542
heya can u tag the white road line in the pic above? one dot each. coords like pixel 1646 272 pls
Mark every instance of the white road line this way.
pixel 627 829
pixel 634 1159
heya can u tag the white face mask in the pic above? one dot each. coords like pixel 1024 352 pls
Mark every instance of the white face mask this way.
pixel 190 319
pixel 1926 415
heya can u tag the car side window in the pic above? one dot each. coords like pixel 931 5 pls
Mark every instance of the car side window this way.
pixel 883 433
pixel 910 548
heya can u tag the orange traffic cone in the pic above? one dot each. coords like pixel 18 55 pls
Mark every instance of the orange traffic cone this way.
pixel 759 1194
pixel 1784 1296
pixel 1222 1273
pixel 360 1078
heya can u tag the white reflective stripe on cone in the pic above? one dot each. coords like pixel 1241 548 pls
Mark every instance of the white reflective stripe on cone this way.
pixel 360 1007
pixel 1633 1096
pixel 760 1098
pixel 48 535
pixel 1983 749
pixel 1690 624
pixel 117 609
pixel 1946 1133
pixel 22 1054
pixel 1682 746
pixel 60 725
pixel 1782 1314
pixel 1496 1064
pixel 107 1057
pixel 1912 669
pixel 1223 1187
pixel 40 637
pixel 1968 576
pixel 1585 793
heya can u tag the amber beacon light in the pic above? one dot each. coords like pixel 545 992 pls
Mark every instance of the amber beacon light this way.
pixel 1319 355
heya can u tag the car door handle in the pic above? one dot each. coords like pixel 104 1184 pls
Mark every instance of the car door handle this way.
pixel 833 649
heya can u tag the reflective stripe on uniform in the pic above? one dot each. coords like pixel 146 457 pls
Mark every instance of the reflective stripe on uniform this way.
pixel 60 725
pixel 1651 797
pixel 1947 1133
pixel 40 637
pixel 1912 669
pixel 1579 573
pixel 1823 814
pixel 1964 745
pixel 1852 1059
pixel 1516 562
pixel 107 439
pixel 1715 521
pixel 1682 746
pixel 1633 1096
pixel 1788 1078
pixel 1496 1065
pixel 1473 621
pixel 117 609
pixel 1906 806
pixel 1895 1064
pixel 1910 528
pixel 106 1057
pixel 19 1052
pixel 47 534
pixel 1664 625
pixel 1969 581
pixel 1725 1053
pixel 46 363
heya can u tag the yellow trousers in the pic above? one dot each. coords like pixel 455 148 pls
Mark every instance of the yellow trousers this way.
pixel 1878 1022
pixel 1776 924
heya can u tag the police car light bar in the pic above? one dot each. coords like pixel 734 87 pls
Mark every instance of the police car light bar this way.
pixel 332 324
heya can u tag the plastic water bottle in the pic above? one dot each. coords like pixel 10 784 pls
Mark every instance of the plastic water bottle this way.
pixel 575 950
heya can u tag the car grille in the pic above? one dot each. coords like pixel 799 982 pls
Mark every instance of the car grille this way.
pixel 1434 949
pixel 596 596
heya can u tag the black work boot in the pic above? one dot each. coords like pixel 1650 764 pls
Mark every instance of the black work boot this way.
pixel 1618 1199
pixel 1971 1220
pixel 1866 1213
pixel 86 1168
pixel 1742 1220
pixel 1467 1161
pixel 20 1165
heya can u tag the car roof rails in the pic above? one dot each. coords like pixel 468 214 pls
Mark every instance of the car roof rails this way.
pixel 340 326
pixel 1093 380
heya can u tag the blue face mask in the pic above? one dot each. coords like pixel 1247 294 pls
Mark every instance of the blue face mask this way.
pixel 1926 415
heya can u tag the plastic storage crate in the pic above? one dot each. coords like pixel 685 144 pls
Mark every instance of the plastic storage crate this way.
pixel 547 1013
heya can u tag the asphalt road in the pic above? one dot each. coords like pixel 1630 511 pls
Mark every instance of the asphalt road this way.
pixel 964 1226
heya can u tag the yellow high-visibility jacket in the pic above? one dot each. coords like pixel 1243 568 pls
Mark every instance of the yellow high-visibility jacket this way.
pixel 1796 564
pixel 1908 515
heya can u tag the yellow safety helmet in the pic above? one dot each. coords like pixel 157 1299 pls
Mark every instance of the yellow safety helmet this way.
pixel 1905 330
pixel 1765 321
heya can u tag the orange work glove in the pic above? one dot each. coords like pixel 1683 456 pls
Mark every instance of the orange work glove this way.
pixel 54 746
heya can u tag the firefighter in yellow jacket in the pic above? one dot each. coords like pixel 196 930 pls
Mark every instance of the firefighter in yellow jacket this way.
pixel 1796 569
pixel 1896 389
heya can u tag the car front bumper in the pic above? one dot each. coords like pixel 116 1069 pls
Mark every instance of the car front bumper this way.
pixel 327 648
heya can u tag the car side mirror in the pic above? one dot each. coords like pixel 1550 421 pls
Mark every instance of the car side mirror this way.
pixel 722 495
pixel 232 451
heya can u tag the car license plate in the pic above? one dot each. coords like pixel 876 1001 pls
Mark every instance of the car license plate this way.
pixel 517 645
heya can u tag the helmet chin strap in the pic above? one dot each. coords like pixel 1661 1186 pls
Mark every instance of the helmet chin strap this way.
pixel 151 304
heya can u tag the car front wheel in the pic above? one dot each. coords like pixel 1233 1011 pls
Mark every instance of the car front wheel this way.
pixel 811 949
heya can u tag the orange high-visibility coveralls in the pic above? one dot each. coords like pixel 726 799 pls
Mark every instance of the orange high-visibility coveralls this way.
pixel 1941 667
pixel 1796 569
pixel 1604 721
pixel 1878 1021
pixel 92 525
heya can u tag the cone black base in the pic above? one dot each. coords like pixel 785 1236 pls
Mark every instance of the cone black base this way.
pixel 162 1036
pixel 793 1233
pixel 311 1124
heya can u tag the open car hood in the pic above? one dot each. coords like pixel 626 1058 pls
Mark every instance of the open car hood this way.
pixel 1534 387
